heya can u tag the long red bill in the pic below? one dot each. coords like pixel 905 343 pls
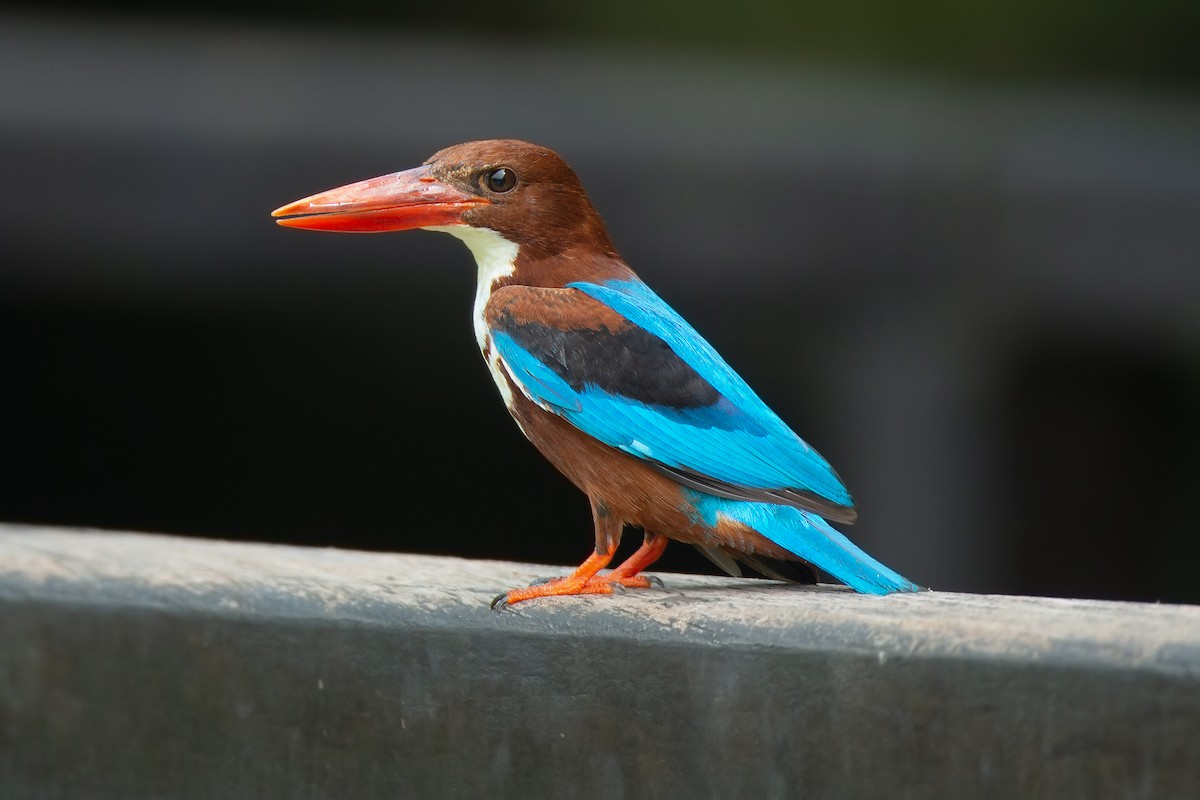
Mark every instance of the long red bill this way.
pixel 397 202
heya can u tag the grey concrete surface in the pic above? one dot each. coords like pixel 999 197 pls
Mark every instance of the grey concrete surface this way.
pixel 135 665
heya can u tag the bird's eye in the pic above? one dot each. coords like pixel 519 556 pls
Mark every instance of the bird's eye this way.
pixel 500 180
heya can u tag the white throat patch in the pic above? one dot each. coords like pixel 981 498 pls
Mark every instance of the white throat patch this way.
pixel 496 257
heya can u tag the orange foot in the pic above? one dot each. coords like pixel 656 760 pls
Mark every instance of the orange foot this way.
pixel 586 580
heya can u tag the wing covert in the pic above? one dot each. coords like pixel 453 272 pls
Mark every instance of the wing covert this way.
pixel 625 368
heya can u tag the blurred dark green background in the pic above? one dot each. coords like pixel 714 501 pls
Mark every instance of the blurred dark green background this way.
pixel 955 245
pixel 1151 44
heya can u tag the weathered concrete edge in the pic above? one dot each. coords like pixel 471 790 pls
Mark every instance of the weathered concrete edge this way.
pixel 399 591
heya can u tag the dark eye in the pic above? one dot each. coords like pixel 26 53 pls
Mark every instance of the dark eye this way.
pixel 500 180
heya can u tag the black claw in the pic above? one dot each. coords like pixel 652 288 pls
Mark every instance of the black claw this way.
pixel 656 581
pixel 500 602
pixel 541 581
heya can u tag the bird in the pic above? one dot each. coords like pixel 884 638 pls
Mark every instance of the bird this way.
pixel 609 382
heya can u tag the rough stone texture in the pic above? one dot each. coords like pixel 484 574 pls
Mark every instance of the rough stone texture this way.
pixel 135 665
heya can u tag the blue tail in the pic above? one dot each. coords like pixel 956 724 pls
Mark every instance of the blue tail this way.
pixel 809 537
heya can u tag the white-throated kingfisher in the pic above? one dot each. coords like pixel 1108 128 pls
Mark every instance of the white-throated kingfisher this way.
pixel 620 393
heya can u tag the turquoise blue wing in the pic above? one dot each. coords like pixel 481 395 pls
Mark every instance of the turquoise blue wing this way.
pixel 622 366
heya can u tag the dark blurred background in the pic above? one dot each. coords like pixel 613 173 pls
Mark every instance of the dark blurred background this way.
pixel 956 246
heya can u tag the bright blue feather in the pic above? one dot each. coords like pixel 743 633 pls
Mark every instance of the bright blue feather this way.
pixel 539 380
pixel 740 440
pixel 808 536
pixel 719 441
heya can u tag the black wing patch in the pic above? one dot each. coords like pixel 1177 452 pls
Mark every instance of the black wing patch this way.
pixel 629 362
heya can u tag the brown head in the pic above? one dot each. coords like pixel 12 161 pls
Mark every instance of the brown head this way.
pixel 525 193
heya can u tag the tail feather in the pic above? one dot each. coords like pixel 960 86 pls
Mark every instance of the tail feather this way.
pixel 811 538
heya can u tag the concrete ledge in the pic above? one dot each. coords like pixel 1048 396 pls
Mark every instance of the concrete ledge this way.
pixel 150 666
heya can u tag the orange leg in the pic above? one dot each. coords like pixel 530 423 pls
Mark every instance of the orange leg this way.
pixel 586 578
pixel 571 584
pixel 651 550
